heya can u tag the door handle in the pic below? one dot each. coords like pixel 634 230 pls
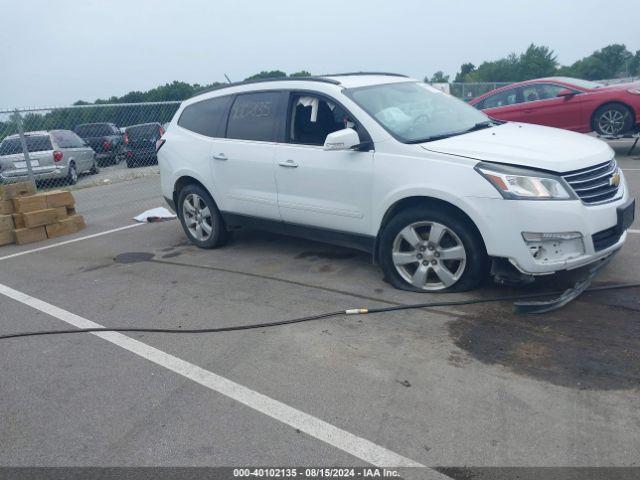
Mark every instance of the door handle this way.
pixel 289 164
pixel 220 156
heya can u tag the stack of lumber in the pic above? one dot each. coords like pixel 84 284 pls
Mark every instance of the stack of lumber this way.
pixel 27 216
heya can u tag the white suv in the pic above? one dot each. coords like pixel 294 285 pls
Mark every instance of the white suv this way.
pixel 434 189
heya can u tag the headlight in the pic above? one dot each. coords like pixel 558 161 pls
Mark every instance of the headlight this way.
pixel 516 183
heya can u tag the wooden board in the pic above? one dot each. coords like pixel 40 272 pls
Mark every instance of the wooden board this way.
pixel 13 190
pixel 67 226
pixel 6 237
pixel 18 220
pixel 30 204
pixel 6 223
pixel 6 207
pixel 60 198
pixel 42 217
pixel 30 235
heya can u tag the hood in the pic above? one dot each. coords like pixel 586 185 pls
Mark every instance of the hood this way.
pixel 527 145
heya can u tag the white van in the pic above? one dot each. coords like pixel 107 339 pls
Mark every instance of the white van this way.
pixel 433 188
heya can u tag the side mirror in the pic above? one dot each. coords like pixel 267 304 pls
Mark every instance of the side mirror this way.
pixel 345 139
pixel 566 93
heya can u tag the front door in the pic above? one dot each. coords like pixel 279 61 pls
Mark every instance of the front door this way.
pixel 542 106
pixel 327 189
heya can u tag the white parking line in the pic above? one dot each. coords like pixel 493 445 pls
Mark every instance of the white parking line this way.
pixel 633 231
pixel 319 429
pixel 73 240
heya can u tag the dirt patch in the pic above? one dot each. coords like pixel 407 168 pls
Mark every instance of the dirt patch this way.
pixel 586 345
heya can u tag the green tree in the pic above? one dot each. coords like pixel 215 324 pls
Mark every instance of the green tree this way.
pixel 267 74
pixel 536 62
pixel 301 73
pixel 465 69
pixel 438 77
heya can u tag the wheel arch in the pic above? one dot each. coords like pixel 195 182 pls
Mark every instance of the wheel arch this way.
pixel 427 202
pixel 182 182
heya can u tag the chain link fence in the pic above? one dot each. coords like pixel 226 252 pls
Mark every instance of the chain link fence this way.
pixel 63 146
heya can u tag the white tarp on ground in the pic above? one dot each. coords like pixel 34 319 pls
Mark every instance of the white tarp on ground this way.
pixel 155 215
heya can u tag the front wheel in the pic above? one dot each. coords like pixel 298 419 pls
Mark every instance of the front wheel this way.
pixel 432 250
pixel 200 218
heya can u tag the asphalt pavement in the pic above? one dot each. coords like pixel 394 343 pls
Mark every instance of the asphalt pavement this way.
pixel 471 385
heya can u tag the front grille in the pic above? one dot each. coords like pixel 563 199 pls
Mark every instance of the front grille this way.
pixel 594 184
pixel 605 238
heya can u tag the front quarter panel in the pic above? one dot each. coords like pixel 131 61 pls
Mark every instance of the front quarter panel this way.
pixel 416 174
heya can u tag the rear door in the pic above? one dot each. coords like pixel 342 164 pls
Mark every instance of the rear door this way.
pixel 542 106
pixel 502 105
pixel 242 164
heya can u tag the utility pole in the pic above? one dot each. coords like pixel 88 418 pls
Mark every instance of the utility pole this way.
pixel 18 119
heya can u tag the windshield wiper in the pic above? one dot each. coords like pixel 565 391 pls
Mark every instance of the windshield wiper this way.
pixel 480 126
pixel 477 126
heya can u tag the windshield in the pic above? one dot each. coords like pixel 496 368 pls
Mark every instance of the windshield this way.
pixel 147 131
pixel 415 112
pixel 94 130
pixel 35 143
pixel 579 82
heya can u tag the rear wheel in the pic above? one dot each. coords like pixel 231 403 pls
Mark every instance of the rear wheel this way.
pixel 612 119
pixel 432 250
pixel 72 175
pixel 200 218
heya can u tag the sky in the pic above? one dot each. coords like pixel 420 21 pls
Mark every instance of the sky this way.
pixel 54 52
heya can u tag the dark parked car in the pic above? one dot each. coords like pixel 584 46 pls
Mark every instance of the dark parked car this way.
pixel 105 139
pixel 140 141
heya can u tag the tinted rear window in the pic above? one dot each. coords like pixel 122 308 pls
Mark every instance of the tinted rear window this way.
pixel 144 131
pixel 253 116
pixel 35 143
pixel 97 130
pixel 205 117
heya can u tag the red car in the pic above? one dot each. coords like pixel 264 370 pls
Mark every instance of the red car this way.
pixel 567 103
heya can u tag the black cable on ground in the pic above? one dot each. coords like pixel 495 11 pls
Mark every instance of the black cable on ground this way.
pixel 353 311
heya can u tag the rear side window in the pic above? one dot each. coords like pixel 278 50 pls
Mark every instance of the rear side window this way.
pixel 501 99
pixel 253 116
pixel 67 139
pixel 205 117
pixel 35 143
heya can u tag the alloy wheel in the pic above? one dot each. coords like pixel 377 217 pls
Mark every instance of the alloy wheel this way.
pixel 197 217
pixel 429 255
pixel 611 122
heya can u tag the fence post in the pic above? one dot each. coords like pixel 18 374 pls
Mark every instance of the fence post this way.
pixel 18 119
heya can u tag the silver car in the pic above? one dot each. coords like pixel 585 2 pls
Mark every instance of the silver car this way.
pixel 55 155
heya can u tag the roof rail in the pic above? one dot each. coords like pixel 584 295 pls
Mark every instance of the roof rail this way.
pixel 313 78
pixel 349 74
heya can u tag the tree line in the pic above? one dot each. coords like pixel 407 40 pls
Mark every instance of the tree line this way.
pixel 612 61
pixel 536 61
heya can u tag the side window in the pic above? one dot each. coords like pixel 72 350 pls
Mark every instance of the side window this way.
pixel 313 118
pixel 540 91
pixel 64 139
pixel 75 139
pixel 205 117
pixel 253 116
pixel 500 99
pixel 548 90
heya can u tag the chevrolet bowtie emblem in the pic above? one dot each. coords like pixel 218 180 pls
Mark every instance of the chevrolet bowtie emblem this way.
pixel 614 181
